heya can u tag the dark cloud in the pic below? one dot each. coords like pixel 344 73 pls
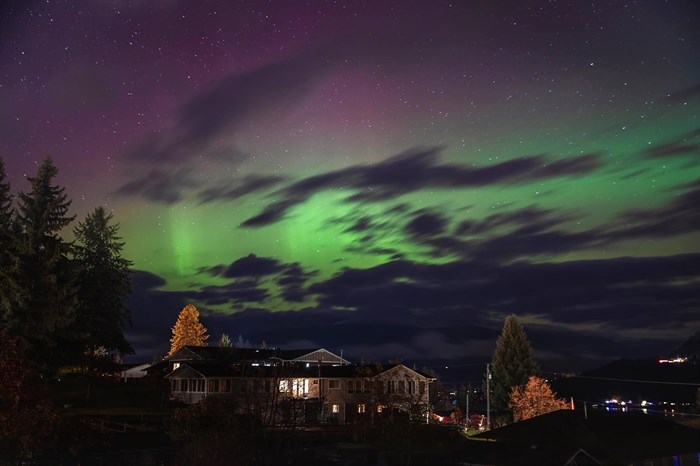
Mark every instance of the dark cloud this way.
pixel 674 149
pixel 446 311
pixel 684 95
pixel 273 213
pixel 225 104
pixel 620 293
pixel 681 215
pixel 416 170
pixel 237 292
pixel 293 280
pixel 530 218
pixel 248 273
pixel 160 185
pixel 426 223
pixel 362 224
pixel 249 266
pixel 231 191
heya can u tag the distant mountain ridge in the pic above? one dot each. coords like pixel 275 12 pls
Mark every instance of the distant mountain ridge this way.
pixel 690 348
pixel 640 379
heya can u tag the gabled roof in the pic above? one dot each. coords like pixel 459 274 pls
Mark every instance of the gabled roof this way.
pixel 211 353
pixel 399 367
pixel 604 436
pixel 188 353
pixel 218 369
pixel 313 355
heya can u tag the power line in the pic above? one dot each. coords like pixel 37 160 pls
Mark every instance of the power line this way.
pixel 692 384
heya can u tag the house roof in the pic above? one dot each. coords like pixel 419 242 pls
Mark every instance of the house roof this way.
pixel 202 370
pixel 604 436
pixel 217 369
pixel 187 353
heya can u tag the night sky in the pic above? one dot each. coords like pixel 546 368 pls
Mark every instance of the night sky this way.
pixel 386 178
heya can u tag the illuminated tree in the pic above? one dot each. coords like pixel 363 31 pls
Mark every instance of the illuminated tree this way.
pixel 512 364
pixel 188 330
pixel 535 399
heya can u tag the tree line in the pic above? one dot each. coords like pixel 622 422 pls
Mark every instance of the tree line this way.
pixel 62 303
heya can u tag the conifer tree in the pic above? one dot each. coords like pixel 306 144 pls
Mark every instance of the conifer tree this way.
pixel 45 274
pixel 5 204
pixel 535 399
pixel 9 292
pixel 225 341
pixel 105 284
pixel 188 330
pixel 513 362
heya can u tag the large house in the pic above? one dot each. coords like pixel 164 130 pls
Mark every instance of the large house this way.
pixel 300 385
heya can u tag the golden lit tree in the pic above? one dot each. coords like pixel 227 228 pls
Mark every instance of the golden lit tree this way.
pixel 188 330
pixel 535 399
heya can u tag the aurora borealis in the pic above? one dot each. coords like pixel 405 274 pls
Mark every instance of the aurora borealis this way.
pixel 389 178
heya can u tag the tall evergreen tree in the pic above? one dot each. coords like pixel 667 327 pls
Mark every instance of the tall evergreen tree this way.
pixel 105 284
pixel 188 330
pixel 45 274
pixel 513 362
pixel 5 203
pixel 9 292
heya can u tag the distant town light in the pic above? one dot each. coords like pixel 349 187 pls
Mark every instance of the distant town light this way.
pixel 676 360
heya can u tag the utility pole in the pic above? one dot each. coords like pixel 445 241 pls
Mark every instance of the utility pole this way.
pixel 488 396
pixel 466 410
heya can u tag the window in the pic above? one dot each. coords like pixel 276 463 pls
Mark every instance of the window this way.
pixel 361 408
pixel 421 387
pixel 176 365
pixel 200 385
pixel 351 386
pixel 213 385
pixel 333 384
pixel 402 387
pixel 226 385
pixel 411 387
pixel 390 387
pixel 335 409
pixel 367 386
pixel 300 387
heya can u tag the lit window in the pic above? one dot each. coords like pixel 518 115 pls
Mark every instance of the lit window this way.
pixel 300 387
pixel 361 408
pixel 335 408
pixel 176 365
